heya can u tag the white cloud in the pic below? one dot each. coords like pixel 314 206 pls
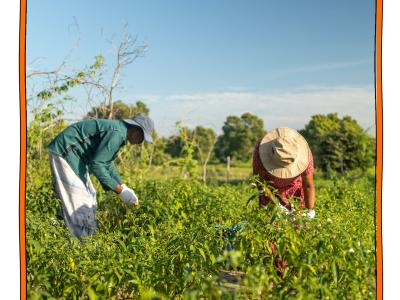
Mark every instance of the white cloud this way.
pixel 282 73
pixel 291 108
pixel 330 66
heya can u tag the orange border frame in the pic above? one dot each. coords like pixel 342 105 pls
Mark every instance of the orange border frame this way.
pixel 379 146
pixel 23 131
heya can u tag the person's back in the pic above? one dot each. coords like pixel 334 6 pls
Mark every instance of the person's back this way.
pixel 83 138
pixel 91 145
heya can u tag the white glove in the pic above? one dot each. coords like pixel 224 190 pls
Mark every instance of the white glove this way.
pixel 128 196
pixel 310 214
pixel 284 209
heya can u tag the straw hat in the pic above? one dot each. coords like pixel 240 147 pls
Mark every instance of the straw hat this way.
pixel 284 153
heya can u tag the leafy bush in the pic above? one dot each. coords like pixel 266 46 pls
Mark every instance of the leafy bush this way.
pixel 339 144
pixel 174 245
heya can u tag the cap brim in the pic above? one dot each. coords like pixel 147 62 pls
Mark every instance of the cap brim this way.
pixel 146 135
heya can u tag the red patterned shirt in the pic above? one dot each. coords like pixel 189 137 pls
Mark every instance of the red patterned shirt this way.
pixel 290 187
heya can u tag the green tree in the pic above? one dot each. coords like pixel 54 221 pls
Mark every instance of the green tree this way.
pixel 175 143
pixel 239 136
pixel 181 147
pixel 339 144
pixel 192 144
pixel 160 156
pixel 121 110
pixel 204 139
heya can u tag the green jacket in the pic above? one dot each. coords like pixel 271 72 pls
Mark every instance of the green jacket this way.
pixel 92 145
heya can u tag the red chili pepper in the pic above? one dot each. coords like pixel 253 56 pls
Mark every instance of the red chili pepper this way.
pixel 281 267
pixel 273 247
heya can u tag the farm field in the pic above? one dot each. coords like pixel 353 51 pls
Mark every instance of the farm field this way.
pixel 182 115
pixel 216 173
pixel 191 241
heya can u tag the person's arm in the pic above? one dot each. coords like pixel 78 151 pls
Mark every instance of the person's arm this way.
pixel 101 161
pixel 263 200
pixel 309 190
pixel 114 172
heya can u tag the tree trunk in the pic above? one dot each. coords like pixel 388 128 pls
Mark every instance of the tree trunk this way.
pixel 205 172
pixel 110 106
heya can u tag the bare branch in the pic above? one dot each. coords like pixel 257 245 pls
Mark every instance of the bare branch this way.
pixel 127 52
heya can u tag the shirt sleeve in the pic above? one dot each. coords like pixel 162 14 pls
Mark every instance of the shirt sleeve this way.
pixel 101 163
pixel 114 173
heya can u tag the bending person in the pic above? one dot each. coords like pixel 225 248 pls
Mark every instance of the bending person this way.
pixel 283 159
pixel 91 146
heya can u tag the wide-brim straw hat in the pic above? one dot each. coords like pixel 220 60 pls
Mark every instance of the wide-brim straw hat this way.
pixel 284 152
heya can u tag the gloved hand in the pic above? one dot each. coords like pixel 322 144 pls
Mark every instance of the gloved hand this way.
pixel 310 214
pixel 285 210
pixel 128 196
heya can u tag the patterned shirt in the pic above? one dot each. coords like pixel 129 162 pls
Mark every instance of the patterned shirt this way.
pixel 288 187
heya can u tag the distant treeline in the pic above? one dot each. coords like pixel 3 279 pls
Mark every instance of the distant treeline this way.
pixel 338 144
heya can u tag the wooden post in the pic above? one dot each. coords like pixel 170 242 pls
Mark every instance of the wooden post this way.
pixel 228 168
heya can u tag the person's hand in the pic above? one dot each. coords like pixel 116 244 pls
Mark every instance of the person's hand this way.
pixel 135 199
pixel 310 214
pixel 283 209
pixel 128 196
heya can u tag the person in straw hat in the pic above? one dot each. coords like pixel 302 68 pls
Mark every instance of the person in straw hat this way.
pixel 283 159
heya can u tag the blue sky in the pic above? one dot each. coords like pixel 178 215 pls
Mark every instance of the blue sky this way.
pixel 210 59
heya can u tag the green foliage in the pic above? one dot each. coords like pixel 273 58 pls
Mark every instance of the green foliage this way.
pixel 205 139
pixel 185 237
pixel 58 86
pixel 159 153
pixel 186 161
pixel 45 124
pixel 47 121
pixel 174 144
pixel 121 110
pixel 138 161
pixel 239 136
pixel 339 144
pixel 47 115
pixel 182 148
pixel 172 247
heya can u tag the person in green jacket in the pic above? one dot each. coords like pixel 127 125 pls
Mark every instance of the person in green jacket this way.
pixel 90 146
